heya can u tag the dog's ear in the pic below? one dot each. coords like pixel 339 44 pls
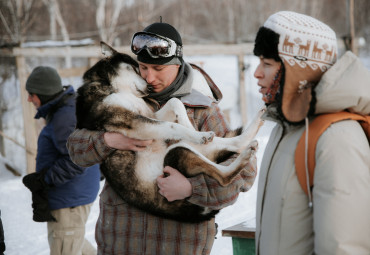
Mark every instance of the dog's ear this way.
pixel 107 50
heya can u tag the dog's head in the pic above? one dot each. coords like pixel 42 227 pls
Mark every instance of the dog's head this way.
pixel 118 70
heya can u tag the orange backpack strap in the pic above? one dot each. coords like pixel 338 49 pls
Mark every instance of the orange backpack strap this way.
pixel 316 128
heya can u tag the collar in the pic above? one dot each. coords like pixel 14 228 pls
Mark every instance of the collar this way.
pixel 45 109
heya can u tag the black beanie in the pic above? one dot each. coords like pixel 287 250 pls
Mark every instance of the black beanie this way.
pixel 44 81
pixel 266 44
pixel 166 30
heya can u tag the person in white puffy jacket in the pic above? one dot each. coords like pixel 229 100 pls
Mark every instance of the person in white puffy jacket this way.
pixel 299 77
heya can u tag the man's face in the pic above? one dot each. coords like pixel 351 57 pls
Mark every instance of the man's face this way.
pixel 33 98
pixel 158 77
pixel 265 73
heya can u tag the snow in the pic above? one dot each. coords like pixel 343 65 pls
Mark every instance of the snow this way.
pixel 24 236
pixel 50 43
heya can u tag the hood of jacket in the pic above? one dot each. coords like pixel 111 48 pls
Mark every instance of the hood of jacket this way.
pixel 44 110
pixel 202 92
pixel 345 86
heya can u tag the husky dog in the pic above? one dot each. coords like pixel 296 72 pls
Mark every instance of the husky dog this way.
pixel 111 99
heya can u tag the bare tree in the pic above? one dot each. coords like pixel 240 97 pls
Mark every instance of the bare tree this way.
pixel 56 19
pixel 206 21
pixel 17 16
pixel 107 14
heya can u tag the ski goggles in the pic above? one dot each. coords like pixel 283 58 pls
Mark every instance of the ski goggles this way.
pixel 157 46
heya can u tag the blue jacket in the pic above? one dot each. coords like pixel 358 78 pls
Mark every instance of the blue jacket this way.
pixel 71 185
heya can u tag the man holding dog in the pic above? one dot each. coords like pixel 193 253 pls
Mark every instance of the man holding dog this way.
pixel 124 229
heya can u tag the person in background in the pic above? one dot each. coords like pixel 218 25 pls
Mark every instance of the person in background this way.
pixel 62 192
pixel 300 79
pixel 2 238
pixel 124 229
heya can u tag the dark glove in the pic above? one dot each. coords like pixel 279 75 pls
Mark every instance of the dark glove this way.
pixel 40 205
pixel 35 181
pixel 36 184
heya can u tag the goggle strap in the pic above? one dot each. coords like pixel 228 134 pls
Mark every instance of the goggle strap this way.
pixel 178 51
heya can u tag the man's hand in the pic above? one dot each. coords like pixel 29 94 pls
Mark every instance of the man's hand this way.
pixel 173 185
pixel 120 142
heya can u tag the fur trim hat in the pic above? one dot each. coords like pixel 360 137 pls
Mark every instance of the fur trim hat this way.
pixel 44 81
pixel 307 47
pixel 166 30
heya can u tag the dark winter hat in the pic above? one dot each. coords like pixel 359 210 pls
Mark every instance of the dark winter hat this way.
pixel 44 81
pixel 166 30
pixel 266 44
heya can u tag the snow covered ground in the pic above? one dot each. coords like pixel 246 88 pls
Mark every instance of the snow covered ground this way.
pixel 26 237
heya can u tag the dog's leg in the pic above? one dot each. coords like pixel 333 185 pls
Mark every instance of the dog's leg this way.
pixel 253 128
pixel 169 131
pixel 242 141
pixel 188 161
pixel 232 144
pixel 174 111
pixel 118 119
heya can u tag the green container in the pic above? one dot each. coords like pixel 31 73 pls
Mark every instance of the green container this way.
pixel 243 246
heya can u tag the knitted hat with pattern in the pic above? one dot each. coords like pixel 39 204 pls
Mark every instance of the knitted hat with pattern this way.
pixel 307 47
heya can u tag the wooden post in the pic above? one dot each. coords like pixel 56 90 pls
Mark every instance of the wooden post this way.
pixel 242 96
pixel 352 26
pixel 28 117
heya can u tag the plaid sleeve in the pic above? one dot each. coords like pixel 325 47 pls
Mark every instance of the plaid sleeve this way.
pixel 207 192
pixel 87 148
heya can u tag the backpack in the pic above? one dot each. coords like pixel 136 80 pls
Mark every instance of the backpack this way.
pixel 316 128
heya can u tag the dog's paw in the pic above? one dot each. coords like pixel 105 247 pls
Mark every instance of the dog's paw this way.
pixel 253 146
pixel 207 137
pixel 262 111
pixel 250 150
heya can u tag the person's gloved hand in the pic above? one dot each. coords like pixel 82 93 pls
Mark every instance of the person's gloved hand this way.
pixel 34 181
pixel 36 184
pixel 40 205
